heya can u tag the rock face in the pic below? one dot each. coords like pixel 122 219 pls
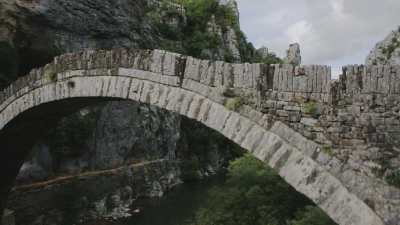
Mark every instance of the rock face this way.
pixel 39 30
pixel 293 55
pixel 33 32
pixel 386 52
pixel 127 132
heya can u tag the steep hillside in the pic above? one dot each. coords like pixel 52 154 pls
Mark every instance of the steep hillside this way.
pixel 387 51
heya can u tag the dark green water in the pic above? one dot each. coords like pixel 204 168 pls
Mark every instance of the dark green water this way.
pixel 178 207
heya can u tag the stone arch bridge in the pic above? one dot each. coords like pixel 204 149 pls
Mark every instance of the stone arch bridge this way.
pixel 323 137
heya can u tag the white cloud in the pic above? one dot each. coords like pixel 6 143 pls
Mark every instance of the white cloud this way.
pixel 335 32
pixel 299 31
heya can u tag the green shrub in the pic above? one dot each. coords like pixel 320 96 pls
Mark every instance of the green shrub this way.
pixel 311 108
pixel 198 142
pixel 327 150
pixel 394 178
pixel 254 194
pixel 271 58
pixel 234 104
pixel 311 215
pixel 50 76
pixel 388 51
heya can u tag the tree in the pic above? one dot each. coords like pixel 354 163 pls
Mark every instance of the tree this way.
pixel 254 194
pixel 311 215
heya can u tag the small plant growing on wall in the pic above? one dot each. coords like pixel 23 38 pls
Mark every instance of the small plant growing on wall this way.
pixel 394 178
pixel 50 76
pixel 327 150
pixel 234 104
pixel 311 108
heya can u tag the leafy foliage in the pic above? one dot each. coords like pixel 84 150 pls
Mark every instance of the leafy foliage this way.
pixel 327 150
pixel 198 151
pixel 388 51
pixel 311 108
pixel 311 215
pixel 234 104
pixel 394 178
pixel 271 58
pixel 254 194
pixel 196 37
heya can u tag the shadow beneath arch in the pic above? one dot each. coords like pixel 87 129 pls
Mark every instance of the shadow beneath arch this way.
pixel 18 137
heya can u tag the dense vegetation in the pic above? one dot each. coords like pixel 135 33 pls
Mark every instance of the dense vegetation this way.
pixel 200 146
pixel 196 38
pixel 254 194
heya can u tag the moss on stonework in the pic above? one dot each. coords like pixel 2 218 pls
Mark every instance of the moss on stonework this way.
pixel 234 104
pixel 327 150
pixel 50 76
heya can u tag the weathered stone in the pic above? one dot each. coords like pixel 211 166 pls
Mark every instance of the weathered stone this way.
pixel 293 55
pixel 8 218
pixel 281 134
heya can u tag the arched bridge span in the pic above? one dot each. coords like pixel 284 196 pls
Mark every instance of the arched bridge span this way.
pixel 222 96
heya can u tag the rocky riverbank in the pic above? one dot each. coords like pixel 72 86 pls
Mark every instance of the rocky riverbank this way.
pixel 88 196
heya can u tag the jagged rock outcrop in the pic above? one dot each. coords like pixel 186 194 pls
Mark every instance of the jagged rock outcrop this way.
pixel 386 52
pixel 293 55
pixel 228 38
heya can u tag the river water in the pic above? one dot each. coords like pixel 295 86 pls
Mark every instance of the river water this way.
pixel 177 207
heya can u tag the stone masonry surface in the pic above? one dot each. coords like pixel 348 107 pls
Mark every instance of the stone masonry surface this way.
pixel 334 141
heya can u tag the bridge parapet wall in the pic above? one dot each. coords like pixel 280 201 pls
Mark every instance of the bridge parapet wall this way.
pixel 358 79
pixel 311 82
pixel 156 62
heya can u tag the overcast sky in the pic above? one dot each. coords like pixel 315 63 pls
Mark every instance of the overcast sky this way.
pixel 332 32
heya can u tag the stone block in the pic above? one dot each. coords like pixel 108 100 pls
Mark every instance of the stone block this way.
pixel 8 218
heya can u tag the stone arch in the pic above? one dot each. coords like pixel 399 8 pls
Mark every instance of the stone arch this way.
pixel 271 143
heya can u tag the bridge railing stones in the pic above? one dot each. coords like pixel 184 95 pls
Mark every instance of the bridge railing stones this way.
pixel 157 62
pixel 358 79
pixel 277 82
pixel 285 81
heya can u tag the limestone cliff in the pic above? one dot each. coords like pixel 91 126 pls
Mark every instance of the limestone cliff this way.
pixel 386 52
